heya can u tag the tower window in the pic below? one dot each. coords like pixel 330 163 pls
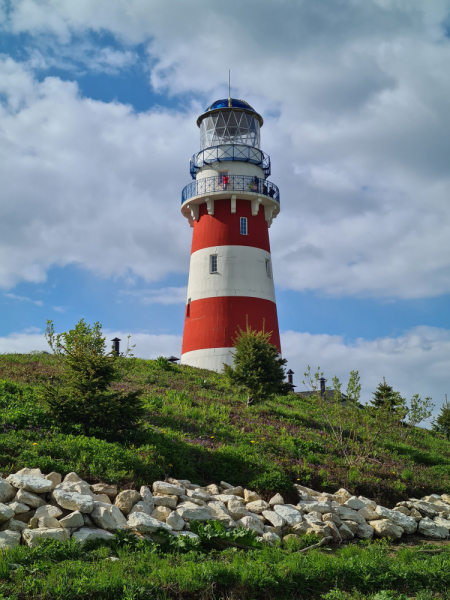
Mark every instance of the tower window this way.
pixel 188 309
pixel 268 269
pixel 244 226
pixel 213 263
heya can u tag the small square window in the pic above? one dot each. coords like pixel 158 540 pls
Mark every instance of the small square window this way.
pixel 213 263
pixel 268 269
pixel 244 226
pixel 188 309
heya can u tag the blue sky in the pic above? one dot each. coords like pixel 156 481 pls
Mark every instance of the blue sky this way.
pixel 98 103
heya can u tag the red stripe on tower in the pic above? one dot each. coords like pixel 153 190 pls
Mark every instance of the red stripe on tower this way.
pixel 230 205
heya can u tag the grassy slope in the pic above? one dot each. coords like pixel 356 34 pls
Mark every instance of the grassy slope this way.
pixel 199 428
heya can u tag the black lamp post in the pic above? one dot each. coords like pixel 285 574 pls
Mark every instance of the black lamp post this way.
pixel 116 345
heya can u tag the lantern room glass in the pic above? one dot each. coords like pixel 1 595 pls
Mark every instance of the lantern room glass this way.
pixel 229 127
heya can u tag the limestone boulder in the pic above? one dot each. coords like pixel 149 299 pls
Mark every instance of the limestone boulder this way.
pixel 250 496
pixel 408 524
pixel 9 539
pixel 345 532
pixel 126 500
pixel 236 509
pixel 143 523
pixel 54 477
pixel 36 485
pixel 48 522
pixel 102 498
pixel 348 514
pixel 142 507
pixel 72 477
pixel 31 537
pixel 271 538
pixel 333 518
pixel 73 501
pixel 183 483
pixel 175 521
pixel 365 532
pixel 169 501
pixel 28 498
pixel 48 510
pixel 161 513
pixel 354 503
pixel 168 488
pixel 7 492
pixel 430 529
pixel 105 488
pixel 289 514
pixel 274 518
pixel 257 506
pixel 199 495
pixel 87 534
pixel 368 514
pixel 277 499
pixel 415 514
pixel 18 508
pixel 212 489
pixel 353 526
pixel 403 510
pixel 446 498
pixel 236 491
pixel 342 495
pixel 320 507
pixel 333 531
pixel 252 524
pixel 13 525
pixel 386 528
pixel 227 497
pixel 72 521
pixel 313 517
pixel 103 518
pixel 191 512
pixel 426 509
pixel 6 513
pixel 371 504
pixel 442 522
pixel 28 471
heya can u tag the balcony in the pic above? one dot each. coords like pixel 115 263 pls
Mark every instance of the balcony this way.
pixel 246 184
pixel 230 152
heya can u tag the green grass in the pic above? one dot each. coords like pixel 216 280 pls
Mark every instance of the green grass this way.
pixel 197 427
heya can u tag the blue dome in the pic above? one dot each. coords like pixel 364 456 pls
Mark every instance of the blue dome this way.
pixel 230 103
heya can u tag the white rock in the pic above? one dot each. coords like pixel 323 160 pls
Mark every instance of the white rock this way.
pixel 126 500
pixel 277 499
pixel 353 526
pixel 342 495
pixel 403 510
pixel 6 513
pixel 236 509
pixel 72 521
pixel 193 512
pixel 72 477
pixel 369 503
pixel 365 532
pixel 432 530
pixel 29 499
pixel 86 534
pixel 7 492
pixel 257 506
pixel 227 498
pixel 168 501
pixel 168 488
pixel 120 520
pixel 36 485
pixel 313 517
pixel 27 471
pixel 354 503
pixel 183 483
pixel 271 538
pixel 103 518
pixel 104 488
pixel 333 518
pixel 175 521
pixel 274 518
pixel 9 539
pixel 368 514
pixel 142 507
pixel 48 522
pixel 219 511
pixel 74 501
pixel 161 513
pixel 408 524
pixel 347 514
pixel 13 525
pixel 199 495
pixel 333 530
pixel 18 508
pixel 48 510
pixel 289 514
pixel 54 477
pixel 346 533
pixel 386 528
pixel 32 536
pixel 442 522
pixel 321 507
pixel 143 523
pixel 252 524
pixel 250 496
pixel 102 498
pixel 147 499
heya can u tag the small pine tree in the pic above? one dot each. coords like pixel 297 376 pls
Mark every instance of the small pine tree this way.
pixel 258 366
pixel 442 423
pixel 385 397
pixel 84 396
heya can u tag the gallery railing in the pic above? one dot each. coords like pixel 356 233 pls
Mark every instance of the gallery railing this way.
pixel 233 183
pixel 230 152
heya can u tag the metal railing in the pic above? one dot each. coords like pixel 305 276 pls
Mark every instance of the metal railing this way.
pixel 229 152
pixel 235 183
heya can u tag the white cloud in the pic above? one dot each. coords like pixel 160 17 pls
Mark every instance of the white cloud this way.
pixel 23 299
pixel 416 362
pixel 168 295
pixel 59 309
pixel 355 97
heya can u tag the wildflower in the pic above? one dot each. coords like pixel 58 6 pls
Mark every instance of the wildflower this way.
pixel 212 437
pixel 170 465
pixel 252 442
pixel 35 444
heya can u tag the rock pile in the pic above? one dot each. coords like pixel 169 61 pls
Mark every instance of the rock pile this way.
pixel 35 506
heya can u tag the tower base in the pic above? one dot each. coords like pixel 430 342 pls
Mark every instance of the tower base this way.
pixel 208 358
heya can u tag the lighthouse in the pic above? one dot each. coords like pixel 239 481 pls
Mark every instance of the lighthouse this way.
pixel 230 204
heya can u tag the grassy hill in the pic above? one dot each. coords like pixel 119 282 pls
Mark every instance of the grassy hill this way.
pixel 198 428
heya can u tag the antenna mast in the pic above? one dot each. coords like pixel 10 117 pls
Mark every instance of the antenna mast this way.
pixel 229 83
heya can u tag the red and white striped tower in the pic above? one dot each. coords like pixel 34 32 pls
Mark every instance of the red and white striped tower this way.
pixel 230 204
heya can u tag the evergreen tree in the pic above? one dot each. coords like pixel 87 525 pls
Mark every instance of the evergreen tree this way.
pixel 83 396
pixel 385 397
pixel 442 423
pixel 258 366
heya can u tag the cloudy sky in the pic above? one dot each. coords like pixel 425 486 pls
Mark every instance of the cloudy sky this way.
pixel 98 103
